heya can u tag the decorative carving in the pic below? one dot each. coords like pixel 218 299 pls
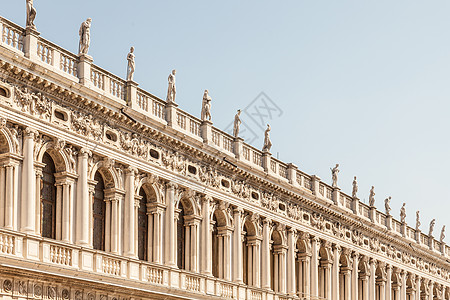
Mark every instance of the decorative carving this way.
pixel 403 214
pixel 22 287
pixel 237 123
pixel 387 206
pixel 355 188
pixel 267 142
pixel 171 90
pixel 131 64
pixel 7 286
pixel 38 291
pixel 85 37
pixel 65 294
pixel 206 107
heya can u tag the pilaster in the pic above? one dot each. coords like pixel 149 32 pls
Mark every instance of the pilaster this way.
pixel 28 204
pixel 30 43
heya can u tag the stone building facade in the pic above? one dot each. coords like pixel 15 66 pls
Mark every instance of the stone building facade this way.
pixel 108 192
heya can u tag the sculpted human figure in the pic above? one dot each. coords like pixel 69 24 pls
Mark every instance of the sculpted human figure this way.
pixel 267 142
pixel 85 36
pixel 355 187
pixel 131 65
pixel 442 234
pixel 403 213
pixel 417 220
pixel 237 123
pixel 206 106
pixel 171 90
pixel 334 175
pixel 432 223
pixel 31 14
pixel 387 206
pixel 372 196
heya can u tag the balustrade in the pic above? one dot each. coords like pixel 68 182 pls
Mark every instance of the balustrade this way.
pixel 45 53
pixel 12 35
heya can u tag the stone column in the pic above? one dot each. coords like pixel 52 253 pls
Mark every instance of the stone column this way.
pixel 83 201
pixel 28 184
pixel 403 286
pixel 129 221
pixel 108 234
pixel 347 276
pixel 256 263
pixel 2 196
pixel 418 283
pixel 227 254
pixel 335 272
pixel 388 282
pixel 372 269
pixel 37 196
pixel 291 262
pixel 115 225
pixel 206 235
pixel 237 245
pixel 65 236
pixel 157 235
pixel 266 255
pixel 282 269
pixel 355 292
pixel 9 197
pixel 170 225
pixel 327 279
pixel 315 247
pixel 430 290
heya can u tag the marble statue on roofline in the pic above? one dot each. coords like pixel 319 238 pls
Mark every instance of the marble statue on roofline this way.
pixel 372 196
pixel 237 123
pixel 442 234
pixel 171 90
pixel 267 142
pixel 355 188
pixel 206 106
pixel 432 223
pixel 85 36
pixel 334 175
pixel 403 213
pixel 418 220
pixel 131 65
pixel 31 15
pixel 387 201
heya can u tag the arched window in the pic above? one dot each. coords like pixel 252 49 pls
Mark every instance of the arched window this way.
pixel 142 226
pixel 99 211
pixel 180 238
pixel 48 198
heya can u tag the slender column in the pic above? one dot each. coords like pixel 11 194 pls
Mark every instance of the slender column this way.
pixel 15 201
pixel 71 212
pixel 266 255
pixel 149 235
pixel 403 287
pixel 195 245
pixel 372 269
pixel 430 290
pixel 9 195
pixel 37 197
pixel 28 204
pixel 355 285
pixel 307 275
pixel 250 264
pixel 130 222
pixel 206 235
pixel 291 263
pixel 237 245
pixel 315 247
pixel 66 213
pixel 365 287
pixel 282 261
pixel 221 263
pixel 157 236
pixel 187 252
pixel 170 225
pixel 108 232
pixel 418 283
pixel 83 201
pixel 114 225
pixel 347 283
pixel 388 282
pixel 58 211
pixel 257 263
pixel 276 274
pixel 227 250
pixel 327 280
pixel 335 272
pixel 2 196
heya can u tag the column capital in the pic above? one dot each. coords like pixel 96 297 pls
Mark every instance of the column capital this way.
pixel 206 198
pixel 131 171
pixel 84 152
pixel 30 132
pixel 238 210
pixel 171 185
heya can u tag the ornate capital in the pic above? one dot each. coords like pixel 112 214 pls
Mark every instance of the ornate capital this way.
pixel 131 171
pixel 84 152
pixel 171 185
pixel 30 132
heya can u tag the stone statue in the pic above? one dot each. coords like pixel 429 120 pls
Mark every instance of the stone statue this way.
pixel 442 234
pixel 334 175
pixel 355 187
pixel 31 15
pixel 171 91
pixel 267 142
pixel 237 123
pixel 417 220
pixel 85 36
pixel 403 213
pixel 372 196
pixel 387 206
pixel 131 65
pixel 432 223
pixel 206 106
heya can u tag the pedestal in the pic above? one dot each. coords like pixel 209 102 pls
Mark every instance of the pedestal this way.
pixel 131 95
pixel 171 114
pixel 315 185
pixel 292 174
pixel 30 43
pixel 84 69
pixel 372 214
pixel 418 234
pixel 336 196
pixel 355 205
pixel 206 132
pixel 266 159
pixel 389 222
pixel 237 147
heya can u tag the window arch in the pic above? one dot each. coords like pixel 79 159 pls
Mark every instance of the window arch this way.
pixel 48 198
pixel 99 213
pixel 142 226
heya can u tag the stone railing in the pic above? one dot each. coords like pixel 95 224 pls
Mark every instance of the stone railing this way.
pixel 12 34
pixel 7 243
pixel 66 63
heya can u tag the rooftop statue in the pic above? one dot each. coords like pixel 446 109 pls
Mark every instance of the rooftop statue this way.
pixel 85 36
pixel 267 142
pixel 237 123
pixel 171 90
pixel 206 106
pixel 355 188
pixel 334 175
pixel 31 15
pixel 372 196
pixel 432 223
pixel 417 220
pixel 387 206
pixel 131 65
pixel 442 234
pixel 403 213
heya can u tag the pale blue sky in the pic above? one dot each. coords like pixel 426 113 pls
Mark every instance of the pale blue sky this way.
pixel 361 83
